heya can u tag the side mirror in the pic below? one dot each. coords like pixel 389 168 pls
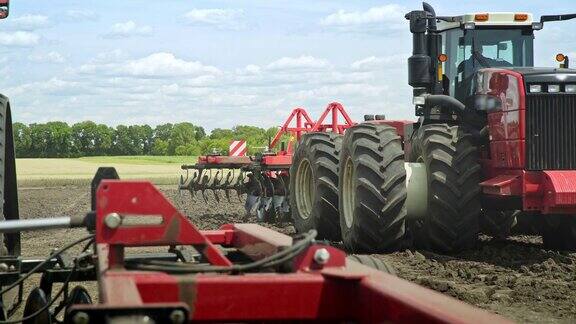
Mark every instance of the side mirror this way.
pixel 4 6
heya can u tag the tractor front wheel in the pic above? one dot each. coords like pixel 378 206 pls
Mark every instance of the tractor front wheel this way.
pixel 453 176
pixel 314 185
pixel 559 232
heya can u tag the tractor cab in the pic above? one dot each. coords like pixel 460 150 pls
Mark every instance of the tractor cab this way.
pixel 448 52
pixel 486 40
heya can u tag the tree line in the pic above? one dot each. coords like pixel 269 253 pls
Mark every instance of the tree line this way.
pixel 59 140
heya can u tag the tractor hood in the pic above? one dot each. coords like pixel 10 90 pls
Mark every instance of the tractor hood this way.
pixel 546 75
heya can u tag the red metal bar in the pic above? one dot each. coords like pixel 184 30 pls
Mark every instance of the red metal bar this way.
pixel 142 200
pixel 222 159
pixel 277 160
pixel 350 293
pixel 337 290
pixel 258 242
pixel 335 109
pixel 303 124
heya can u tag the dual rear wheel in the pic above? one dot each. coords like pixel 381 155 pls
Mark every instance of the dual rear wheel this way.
pixel 351 187
pixel 314 185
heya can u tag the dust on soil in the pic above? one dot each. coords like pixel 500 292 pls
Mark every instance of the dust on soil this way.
pixel 515 278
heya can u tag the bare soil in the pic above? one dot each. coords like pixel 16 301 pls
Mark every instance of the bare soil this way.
pixel 515 278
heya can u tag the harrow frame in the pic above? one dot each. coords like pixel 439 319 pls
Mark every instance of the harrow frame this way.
pixel 259 173
pixel 313 288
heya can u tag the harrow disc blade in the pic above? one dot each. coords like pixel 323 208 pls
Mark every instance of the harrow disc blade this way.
pixel 265 209
pixel 251 204
pixel 36 301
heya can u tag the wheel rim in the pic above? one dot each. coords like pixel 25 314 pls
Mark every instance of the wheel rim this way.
pixel 304 189
pixel 348 193
pixel 416 189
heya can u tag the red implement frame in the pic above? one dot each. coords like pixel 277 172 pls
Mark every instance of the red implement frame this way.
pixel 302 124
pixel 305 124
pixel 336 290
pixel 224 159
pixel 298 123
pixel 335 110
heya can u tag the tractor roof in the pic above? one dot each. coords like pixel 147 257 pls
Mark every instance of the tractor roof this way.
pixel 497 19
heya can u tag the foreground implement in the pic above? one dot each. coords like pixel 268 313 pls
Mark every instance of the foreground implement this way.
pixel 239 273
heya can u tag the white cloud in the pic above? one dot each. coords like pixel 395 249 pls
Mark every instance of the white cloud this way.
pixel 373 62
pixel 166 64
pixel 53 86
pixel 250 69
pixel 115 55
pixel 19 39
pixel 121 90
pixel 81 14
pixel 157 65
pixel 377 18
pixel 128 29
pixel 49 57
pixel 29 22
pixel 217 18
pixel 303 62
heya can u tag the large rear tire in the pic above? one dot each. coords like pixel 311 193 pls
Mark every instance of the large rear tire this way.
pixel 314 185
pixel 559 232
pixel 451 161
pixel 372 189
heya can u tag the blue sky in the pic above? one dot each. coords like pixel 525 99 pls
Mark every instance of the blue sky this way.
pixel 222 63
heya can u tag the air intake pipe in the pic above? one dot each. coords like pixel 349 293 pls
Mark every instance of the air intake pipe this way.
pixel 420 63
pixel 445 101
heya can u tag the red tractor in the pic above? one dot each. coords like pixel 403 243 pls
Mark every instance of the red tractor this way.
pixel 494 139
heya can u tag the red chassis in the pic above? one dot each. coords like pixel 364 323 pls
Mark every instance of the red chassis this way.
pixel 332 289
pixel 508 184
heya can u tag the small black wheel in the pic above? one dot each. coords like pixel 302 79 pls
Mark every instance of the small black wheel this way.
pixel 36 300
pixel 314 185
pixel 373 262
pixel 559 232
pixel 372 189
pixel 78 296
